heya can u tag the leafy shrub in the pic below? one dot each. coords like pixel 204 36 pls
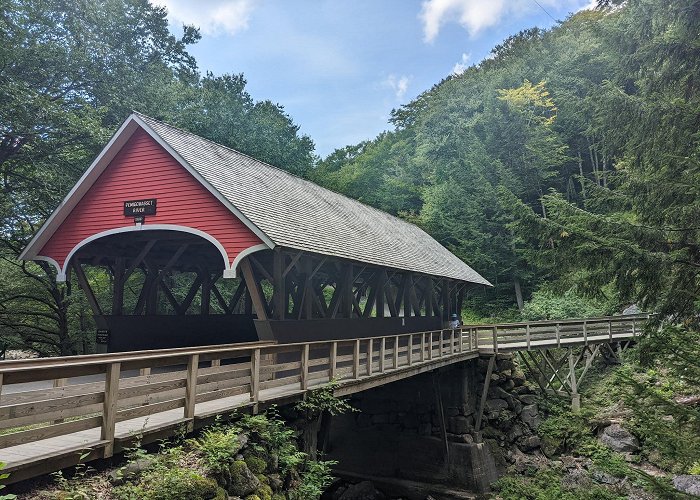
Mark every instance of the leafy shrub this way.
pixel 314 481
pixel 549 304
pixel 169 484
pixel 218 447
pixel 546 485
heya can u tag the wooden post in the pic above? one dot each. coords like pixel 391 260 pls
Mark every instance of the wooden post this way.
pixel 356 360
pixel 333 360
pixel 191 387
pixel 575 397
pixel 279 301
pixel 396 352
pixel 495 339
pixel 634 328
pixel 585 333
pixel 255 376
pixel 382 354
pixel 527 335
pixel 305 367
pixel 370 355
pixel 558 334
pixel 1 386
pixel 109 407
pixel 484 396
pixel 59 382
pixel 422 347
pixel 610 330
pixel 410 349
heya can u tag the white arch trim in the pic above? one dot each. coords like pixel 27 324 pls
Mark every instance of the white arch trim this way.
pixel 240 256
pixel 229 269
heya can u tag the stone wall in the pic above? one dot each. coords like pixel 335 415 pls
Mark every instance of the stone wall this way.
pixel 422 428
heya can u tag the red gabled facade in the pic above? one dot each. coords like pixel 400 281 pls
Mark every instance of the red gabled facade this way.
pixel 143 169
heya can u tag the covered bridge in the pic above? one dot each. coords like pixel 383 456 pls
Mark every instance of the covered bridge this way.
pixel 203 245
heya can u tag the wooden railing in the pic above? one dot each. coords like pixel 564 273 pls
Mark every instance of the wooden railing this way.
pixel 555 333
pixel 100 400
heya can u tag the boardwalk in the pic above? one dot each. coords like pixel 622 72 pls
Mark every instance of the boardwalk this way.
pixel 100 404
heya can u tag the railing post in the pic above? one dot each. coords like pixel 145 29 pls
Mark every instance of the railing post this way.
pixel 382 354
pixel 410 349
pixel 610 330
pixel 527 335
pixel 558 334
pixel 495 339
pixel 370 355
pixel 452 341
pixel 585 333
pixel 422 347
pixel 109 407
pixel 255 376
pixel 356 360
pixel 304 382
pixel 634 327
pixel 442 343
pixel 430 345
pixel 475 345
pixel 396 352
pixel 191 387
pixel 333 360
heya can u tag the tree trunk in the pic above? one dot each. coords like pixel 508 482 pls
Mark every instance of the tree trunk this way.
pixel 518 294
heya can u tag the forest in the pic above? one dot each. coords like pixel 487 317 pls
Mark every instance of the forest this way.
pixel 564 167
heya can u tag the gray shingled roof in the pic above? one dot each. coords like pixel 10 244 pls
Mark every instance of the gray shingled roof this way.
pixel 299 214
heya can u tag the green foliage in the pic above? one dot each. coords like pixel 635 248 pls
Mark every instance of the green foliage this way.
pixel 314 481
pixel 321 400
pixel 546 303
pixel 173 483
pixel 218 446
pixel 546 485
pixel 273 436
pixel 3 476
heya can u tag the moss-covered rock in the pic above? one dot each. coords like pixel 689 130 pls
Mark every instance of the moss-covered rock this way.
pixel 256 464
pixel 243 481
pixel 170 484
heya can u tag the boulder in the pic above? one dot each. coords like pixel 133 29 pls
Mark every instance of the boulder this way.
pixel 131 470
pixel 495 405
pixel 362 491
pixel 460 425
pixel 618 439
pixel 528 443
pixel 688 484
pixel 530 416
pixel 528 399
pixel 243 481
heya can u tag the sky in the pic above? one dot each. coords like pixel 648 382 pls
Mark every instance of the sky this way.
pixel 340 66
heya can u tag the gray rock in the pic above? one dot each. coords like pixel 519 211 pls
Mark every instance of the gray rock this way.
pixel 460 425
pixel 494 405
pixel 130 470
pixel 528 399
pixel 617 438
pixel 528 443
pixel 530 416
pixel 688 484
pixel 243 481
pixel 276 482
pixel 604 478
pixel 362 491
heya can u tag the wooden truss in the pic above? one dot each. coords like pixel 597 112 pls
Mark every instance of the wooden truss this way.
pixel 279 284
pixel 562 371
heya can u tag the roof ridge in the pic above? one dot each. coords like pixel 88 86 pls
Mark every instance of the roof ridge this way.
pixel 283 171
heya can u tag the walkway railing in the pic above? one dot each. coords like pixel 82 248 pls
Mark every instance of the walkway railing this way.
pixel 52 408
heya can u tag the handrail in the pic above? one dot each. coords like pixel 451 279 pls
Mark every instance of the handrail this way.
pixel 626 317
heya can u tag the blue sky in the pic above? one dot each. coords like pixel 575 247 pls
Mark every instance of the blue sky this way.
pixel 340 67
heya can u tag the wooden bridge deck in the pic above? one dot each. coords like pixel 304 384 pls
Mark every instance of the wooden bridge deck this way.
pixel 54 410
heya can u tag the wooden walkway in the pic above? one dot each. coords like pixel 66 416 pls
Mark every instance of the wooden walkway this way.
pixel 98 405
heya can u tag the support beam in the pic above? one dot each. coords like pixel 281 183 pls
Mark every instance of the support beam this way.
pixel 85 285
pixel 279 295
pixel 484 397
pixel 253 287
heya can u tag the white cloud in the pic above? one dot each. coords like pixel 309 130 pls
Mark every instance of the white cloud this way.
pixel 477 15
pixel 462 64
pixel 399 84
pixel 213 17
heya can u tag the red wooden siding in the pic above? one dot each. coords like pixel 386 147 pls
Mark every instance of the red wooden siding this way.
pixel 144 169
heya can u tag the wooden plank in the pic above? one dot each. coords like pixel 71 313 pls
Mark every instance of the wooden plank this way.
pixel 110 407
pixel 356 360
pixel 46 432
pixel 255 376
pixel 305 367
pixel 333 360
pixel 191 386
pixel 152 409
